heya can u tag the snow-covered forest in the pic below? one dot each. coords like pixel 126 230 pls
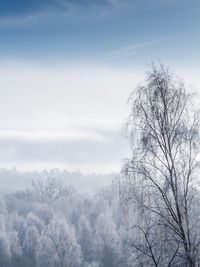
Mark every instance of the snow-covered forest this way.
pixel 50 224
pixel 99 133
pixel 147 216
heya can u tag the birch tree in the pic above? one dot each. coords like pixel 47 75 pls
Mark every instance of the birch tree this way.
pixel 160 181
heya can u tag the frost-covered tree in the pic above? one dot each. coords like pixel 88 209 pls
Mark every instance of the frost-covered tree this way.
pixel 59 244
pixel 108 240
pixel 160 182
pixel 86 239
pixel 15 249
pixel 49 190
pixel 30 245
pixel 5 252
pixel 44 213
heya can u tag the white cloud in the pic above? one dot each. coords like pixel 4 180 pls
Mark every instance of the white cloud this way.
pixel 130 49
pixel 69 117
pixel 94 151
pixel 63 11
pixel 43 98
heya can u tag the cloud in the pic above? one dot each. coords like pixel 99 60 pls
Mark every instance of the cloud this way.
pixel 66 117
pixel 15 13
pixel 63 117
pixel 130 49
pixel 44 11
pixel 82 149
pixel 39 98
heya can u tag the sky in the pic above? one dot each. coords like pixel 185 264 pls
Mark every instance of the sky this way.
pixel 67 68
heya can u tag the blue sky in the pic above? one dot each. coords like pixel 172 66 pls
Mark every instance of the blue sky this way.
pixel 67 68
pixel 85 31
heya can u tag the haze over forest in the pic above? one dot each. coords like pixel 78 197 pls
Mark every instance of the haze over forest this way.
pixel 99 133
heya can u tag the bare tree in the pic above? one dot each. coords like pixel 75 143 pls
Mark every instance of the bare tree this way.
pixel 50 190
pixel 160 180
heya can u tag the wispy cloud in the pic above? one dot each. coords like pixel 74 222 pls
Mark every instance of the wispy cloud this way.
pixel 60 10
pixel 130 49
pixel 24 20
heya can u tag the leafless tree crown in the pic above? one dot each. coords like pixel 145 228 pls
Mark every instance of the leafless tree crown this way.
pixel 161 180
